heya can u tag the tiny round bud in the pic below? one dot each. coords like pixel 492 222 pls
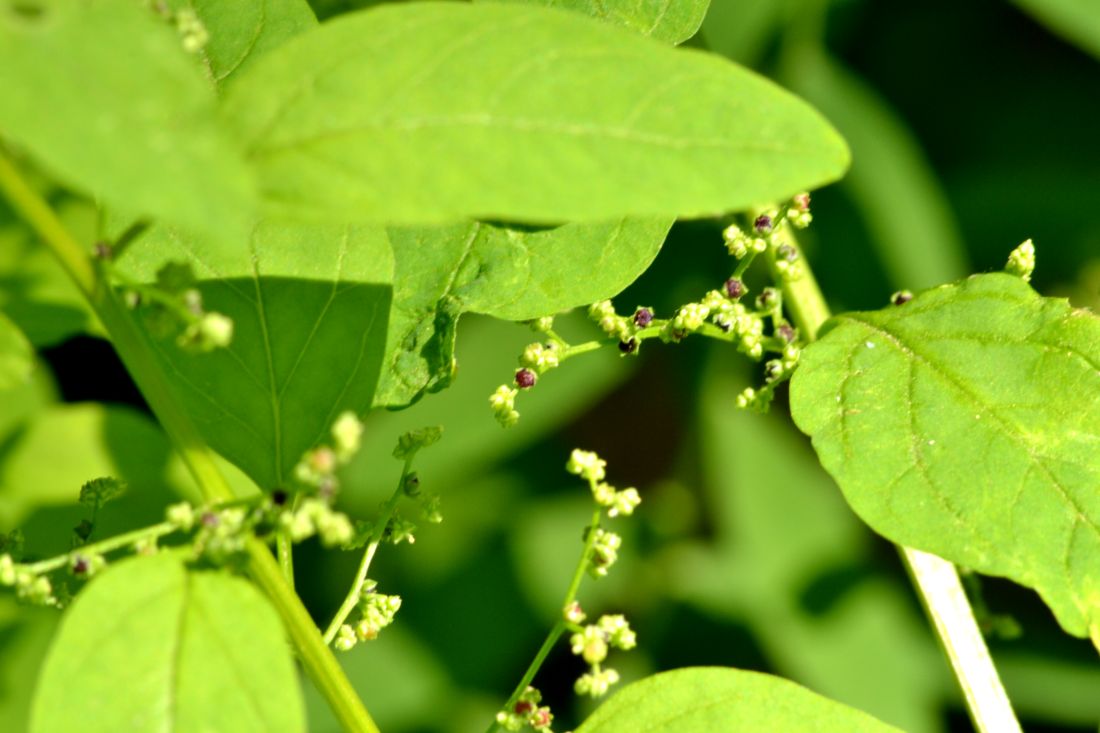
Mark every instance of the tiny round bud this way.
pixel 524 707
pixel 80 565
pixel 787 252
pixel 643 317
pixel 629 346
pixel 802 201
pixel 735 288
pixel 767 298
pixel 763 223
pixel 785 332
pixel 901 297
pixel 279 497
pixel 525 378
pixel 411 487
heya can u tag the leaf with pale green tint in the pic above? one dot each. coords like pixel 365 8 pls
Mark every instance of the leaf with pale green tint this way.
pixel 964 424
pixel 103 95
pixel 708 699
pixel 427 112
pixel 673 21
pixel 507 272
pixel 309 305
pixel 910 221
pixel 16 355
pixel 150 645
pixel 240 32
pixel 1078 21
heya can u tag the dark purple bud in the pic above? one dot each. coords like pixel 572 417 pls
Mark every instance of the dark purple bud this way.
pixel 763 223
pixel 767 298
pixel 735 288
pixel 279 497
pixel 81 565
pixel 901 297
pixel 525 378
pixel 643 317
pixel 785 332
pixel 523 707
pixel 802 201
pixel 787 252
pixel 628 346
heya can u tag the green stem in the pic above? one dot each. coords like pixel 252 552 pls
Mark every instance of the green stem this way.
pixel 561 626
pixel 937 581
pixel 101 548
pixel 320 664
pixel 377 532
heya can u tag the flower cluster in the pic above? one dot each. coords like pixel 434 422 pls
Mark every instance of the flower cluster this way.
pixel 318 466
pixel 592 643
pixel 29 587
pixel 526 712
pixel 376 612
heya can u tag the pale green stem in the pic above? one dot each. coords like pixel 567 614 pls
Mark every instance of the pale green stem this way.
pixel 560 626
pixel 320 664
pixel 100 548
pixel 375 540
pixel 936 580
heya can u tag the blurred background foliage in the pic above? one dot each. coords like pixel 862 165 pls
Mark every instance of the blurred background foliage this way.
pixel 973 128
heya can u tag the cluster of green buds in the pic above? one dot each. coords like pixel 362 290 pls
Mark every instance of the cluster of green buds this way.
pixel 314 516
pixel 1021 262
pixel 174 304
pixel 376 612
pixel 603 545
pixel 592 643
pixel 29 587
pixel 762 237
pixel 527 713
pixel 192 32
pixel 318 466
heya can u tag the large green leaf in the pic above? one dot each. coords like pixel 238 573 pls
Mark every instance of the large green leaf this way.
pixel 428 112
pixel 16 355
pixel 240 32
pixel 309 305
pixel 511 273
pixel 707 699
pixel 1078 21
pixel 105 97
pixel 965 423
pixel 674 21
pixel 152 646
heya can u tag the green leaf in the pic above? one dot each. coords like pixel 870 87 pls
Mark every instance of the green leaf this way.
pixel 99 491
pixel 241 32
pixel 1078 21
pixel 910 221
pixel 309 305
pixel 963 424
pixel 151 646
pixel 673 21
pixel 104 96
pixel 706 699
pixel 16 355
pixel 510 273
pixel 427 112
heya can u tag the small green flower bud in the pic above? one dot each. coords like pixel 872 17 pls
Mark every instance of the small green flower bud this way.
pixel 605 551
pixel 7 570
pixel 618 632
pixel 345 638
pixel 590 644
pixel 624 503
pixel 604 494
pixel 690 317
pixel 747 398
pixel 182 515
pixel 346 434
pixel 1021 262
pixel 596 683
pixel 586 464
pixel 544 324
pixel 503 402
pixel 573 613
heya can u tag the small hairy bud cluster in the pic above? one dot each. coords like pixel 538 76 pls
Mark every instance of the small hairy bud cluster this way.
pixel 604 552
pixel 1021 262
pixel 587 465
pixel 603 313
pixel 526 712
pixel 503 402
pixel 376 612
pixel 318 466
pixel 798 213
pixel 741 244
pixel 193 34
pixel 315 517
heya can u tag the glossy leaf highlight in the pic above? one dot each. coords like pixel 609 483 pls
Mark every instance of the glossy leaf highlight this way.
pixel 428 112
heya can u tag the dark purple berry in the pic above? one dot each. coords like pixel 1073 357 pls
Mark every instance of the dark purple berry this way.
pixel 279 497
pixel 525 378
pixel 524 707
pixel 81 566
pixel 643 317
pixel 763 223
pixel 735 288
pixel 785 332
pixel 787 252
pixel 901 297
pixel 628 346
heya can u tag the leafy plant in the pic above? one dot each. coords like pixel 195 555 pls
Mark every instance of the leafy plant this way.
pixel 279 224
